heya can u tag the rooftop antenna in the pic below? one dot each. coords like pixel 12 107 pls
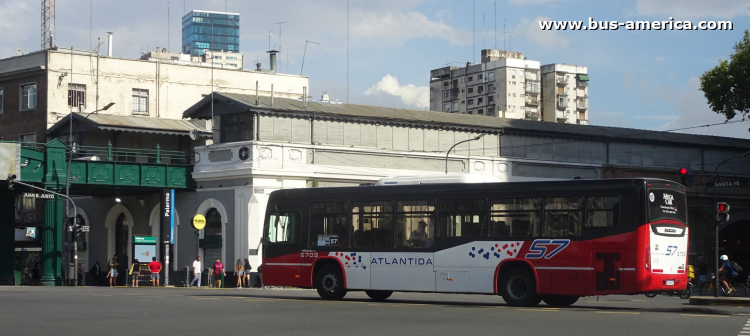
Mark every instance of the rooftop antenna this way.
pixel 169 42
pixel 303 55
pixel 473 29
pixel 212 74
pixel 495 24
pixel 510 40
pixel 280 23
pixel 484 29
pixel 91 19
pixel 504 32
pixel 347 51
pixel 48 24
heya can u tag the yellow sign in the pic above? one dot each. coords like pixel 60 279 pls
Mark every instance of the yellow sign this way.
pixel 199 222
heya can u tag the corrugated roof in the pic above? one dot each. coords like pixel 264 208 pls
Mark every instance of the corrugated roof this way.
pixel 110 122
pixel 450 120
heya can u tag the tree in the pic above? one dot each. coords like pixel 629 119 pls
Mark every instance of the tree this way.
pixel 727 86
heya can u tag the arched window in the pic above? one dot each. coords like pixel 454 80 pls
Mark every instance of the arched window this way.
pixel 213 222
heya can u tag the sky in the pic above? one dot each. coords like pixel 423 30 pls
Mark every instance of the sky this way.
pixel 639 79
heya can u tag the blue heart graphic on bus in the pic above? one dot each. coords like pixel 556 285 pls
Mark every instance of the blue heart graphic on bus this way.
pixel 509 249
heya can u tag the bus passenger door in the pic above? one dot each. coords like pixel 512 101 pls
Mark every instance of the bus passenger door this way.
pixel 281 250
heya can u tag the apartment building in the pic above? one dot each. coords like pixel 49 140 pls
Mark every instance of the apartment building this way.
pixel 505 84
pixel 565 93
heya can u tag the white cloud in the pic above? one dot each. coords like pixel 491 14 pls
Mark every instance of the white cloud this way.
pixel 402 26
pixel 689 9
pixel 547 39
pixel 659 59
pixel 411 95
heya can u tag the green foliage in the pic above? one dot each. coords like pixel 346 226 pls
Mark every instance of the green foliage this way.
pixel 727 86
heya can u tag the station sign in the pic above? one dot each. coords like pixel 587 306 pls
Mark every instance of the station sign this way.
pixel 199 222
pixel 144 240
pixel 38 195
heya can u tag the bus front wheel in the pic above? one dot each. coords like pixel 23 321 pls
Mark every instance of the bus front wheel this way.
pixel 378 295
pixel 518 288
pixel 330 283
pixel 560 301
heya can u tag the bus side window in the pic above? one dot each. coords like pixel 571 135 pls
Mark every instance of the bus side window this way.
pixel 514 217
pixel 602 211
pixel 372 224
pixel 415 224
pixel 329 225
pixel 562 217
pixel 283 227
pixel 462 218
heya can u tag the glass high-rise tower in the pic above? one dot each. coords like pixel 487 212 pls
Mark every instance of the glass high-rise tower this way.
pixel 196 32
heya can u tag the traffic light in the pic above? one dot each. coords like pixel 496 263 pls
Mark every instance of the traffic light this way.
pixel 11 179
pixel 722 212
pixel 687 176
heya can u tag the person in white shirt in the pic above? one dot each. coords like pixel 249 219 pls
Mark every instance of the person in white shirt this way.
pixel 196 271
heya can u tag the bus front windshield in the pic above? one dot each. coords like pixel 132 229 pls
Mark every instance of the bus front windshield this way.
pixel 667 204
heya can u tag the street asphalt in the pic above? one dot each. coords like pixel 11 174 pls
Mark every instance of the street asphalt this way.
pixel 190 311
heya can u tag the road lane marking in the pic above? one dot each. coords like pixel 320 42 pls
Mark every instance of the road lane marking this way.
pixel 202 298
pixel 536 309
pixel 703 315
pixel 629 313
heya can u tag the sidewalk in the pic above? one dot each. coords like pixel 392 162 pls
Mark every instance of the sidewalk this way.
pixel 719 301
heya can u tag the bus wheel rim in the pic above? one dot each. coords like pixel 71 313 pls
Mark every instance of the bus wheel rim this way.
pixel 330 283
pixel 517 287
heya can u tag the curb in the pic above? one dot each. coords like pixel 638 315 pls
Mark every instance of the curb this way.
pixel 718 301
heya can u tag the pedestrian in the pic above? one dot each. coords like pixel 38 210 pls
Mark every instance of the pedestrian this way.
pixel 218 272
pixel 196 271
pixel 247 273
pixel 155 268
pixel 79 271
pixel 239 272
pixel 112 271
pixel 36 274
pixel 135 271
pixel 702 270
pixel 96 273
pixel 259 278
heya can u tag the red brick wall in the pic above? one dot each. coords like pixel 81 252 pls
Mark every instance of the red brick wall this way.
pixel 13 122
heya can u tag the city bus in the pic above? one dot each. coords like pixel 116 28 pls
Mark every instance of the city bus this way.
pixel 551 241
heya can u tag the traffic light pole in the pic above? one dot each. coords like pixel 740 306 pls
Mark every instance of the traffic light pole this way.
pixel 716 225
pixel 75 215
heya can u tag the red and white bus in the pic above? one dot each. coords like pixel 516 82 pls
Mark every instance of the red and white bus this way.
pixel 551 241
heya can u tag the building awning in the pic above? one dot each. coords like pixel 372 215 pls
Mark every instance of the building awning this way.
pixel 85 122
pixel 582 77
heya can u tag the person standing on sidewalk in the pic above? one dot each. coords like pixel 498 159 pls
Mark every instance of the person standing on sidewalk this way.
pixel 239 272
pixel 247 273
pixel 135 271
pixel 155 268
pixel 196 271
pixel 96 272
pixel 218 272
pixel 113 270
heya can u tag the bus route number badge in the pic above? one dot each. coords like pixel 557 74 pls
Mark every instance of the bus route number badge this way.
pixel 328 240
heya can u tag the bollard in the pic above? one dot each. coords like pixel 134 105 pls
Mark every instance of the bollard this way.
pixel 187 276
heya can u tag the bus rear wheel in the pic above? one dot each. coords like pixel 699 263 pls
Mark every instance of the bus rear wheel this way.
pixel 379 295
pixel 560 300
pixel 330 283
pixel 518 288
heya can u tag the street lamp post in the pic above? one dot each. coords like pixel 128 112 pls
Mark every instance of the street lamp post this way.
pixel 716 225
pixel 458 143
pixel 67 188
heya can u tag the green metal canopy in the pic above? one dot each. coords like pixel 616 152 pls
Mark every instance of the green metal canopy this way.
pixel 582 77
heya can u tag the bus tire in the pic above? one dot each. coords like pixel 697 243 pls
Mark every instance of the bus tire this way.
pixel 379 295
pixel 560 301
pixel 329 282
pixel 518 288
pixel 650 295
